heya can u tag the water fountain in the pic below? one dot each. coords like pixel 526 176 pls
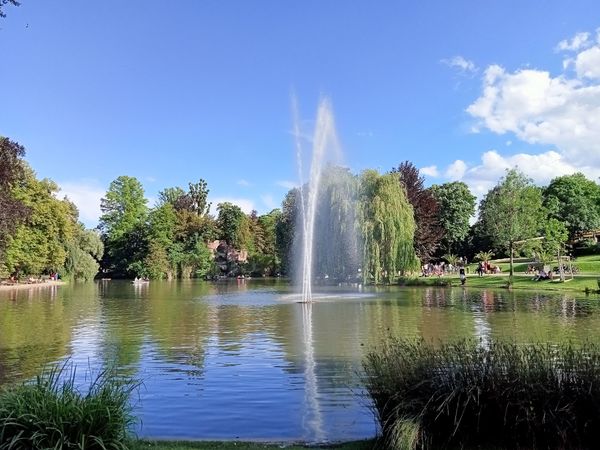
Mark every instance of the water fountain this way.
pixel 325 150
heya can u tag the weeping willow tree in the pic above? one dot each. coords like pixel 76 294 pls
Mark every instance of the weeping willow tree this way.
pixel 388 227
pixel 336 237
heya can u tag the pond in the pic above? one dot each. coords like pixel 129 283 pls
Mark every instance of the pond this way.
pixel 243 359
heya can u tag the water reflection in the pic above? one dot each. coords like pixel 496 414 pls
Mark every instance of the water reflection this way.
pixel 215 354
pixel 312 421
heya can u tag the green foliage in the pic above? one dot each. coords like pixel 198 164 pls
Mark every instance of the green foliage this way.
pixel 285 232
pixel 512 211
pixel 232 224
pixel 456 207
pixel 501 395
pixel 83 254
pixel 13 211
pixel 51 412
pixel 451 259
pixel 123 225
pixel 574 200
pixel 388 226
pixel 484 256
pixel 40 243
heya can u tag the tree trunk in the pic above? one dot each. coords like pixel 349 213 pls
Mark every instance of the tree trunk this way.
pixel 511 258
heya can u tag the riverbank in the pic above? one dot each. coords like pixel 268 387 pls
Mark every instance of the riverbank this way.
pixel 21 286
pixel 238 445
pixel 501 281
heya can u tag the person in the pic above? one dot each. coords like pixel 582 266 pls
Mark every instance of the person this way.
pixel 480 269
pixel 463 277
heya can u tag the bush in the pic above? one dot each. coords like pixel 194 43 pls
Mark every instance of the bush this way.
pixel 50 412
pixel 505 395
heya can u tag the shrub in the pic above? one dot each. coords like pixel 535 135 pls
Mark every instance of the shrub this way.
pixel 504 395
pixel 51 412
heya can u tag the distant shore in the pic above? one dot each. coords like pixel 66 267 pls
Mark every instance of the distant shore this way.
pixel 20 286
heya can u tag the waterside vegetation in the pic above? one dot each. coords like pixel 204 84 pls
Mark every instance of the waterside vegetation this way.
pixel 52 412
pixel 494 394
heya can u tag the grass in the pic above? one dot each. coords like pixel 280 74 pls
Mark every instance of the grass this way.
pixel 237 445
pixel 50 412
pixel 463 395
pixel 520 281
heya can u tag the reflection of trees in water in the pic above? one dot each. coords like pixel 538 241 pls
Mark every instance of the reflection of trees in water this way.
pixel 36 327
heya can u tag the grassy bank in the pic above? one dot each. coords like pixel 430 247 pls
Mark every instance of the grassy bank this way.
pixel 236 445
pixel 519 281
pixel 461 395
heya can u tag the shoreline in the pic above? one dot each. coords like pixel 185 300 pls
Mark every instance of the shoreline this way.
pixel 23 286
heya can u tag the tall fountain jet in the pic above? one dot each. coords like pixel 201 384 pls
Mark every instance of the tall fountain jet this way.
pixel 325 148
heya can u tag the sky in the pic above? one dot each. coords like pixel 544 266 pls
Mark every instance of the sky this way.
pixel 171 92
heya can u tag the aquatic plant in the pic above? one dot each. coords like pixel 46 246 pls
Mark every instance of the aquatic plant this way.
pixel 501 395
pixel 51 412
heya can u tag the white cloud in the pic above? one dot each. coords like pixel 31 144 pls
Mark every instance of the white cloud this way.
pixel 577 42
pixel 464 66
pixel 431 171
pixel 86 195
pixel 269 201
pixel 541 168
pixel 560 111
pixel 456 170
pixel 587 63
pixel 287 184
pixel 244 183
pixel 245 204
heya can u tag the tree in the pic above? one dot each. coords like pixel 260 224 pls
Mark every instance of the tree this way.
pixel 456 207
pixel 336 242
pixel 232 223
pixel 13 211
pixel 123 225
pixel 39 244
pixel 83 254
pixel 285 229
pixel 4 2
pixel 512 211
pixel 574 200
pixel 388 227
pixel 426 209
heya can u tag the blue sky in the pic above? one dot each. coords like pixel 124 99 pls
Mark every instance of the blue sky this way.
pixel 171 92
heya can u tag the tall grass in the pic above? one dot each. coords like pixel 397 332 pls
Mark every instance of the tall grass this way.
pixel 502 395
pixel 50 412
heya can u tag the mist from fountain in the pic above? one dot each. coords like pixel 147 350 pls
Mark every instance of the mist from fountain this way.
pixel 325 150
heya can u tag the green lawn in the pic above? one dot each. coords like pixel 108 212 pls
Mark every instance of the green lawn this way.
pixel 520 281
pixel 236 445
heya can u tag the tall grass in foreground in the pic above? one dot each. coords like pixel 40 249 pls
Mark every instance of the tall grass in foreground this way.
pixel 503 395
pixel 50 412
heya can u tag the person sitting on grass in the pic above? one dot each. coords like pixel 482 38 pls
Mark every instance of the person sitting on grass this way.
pixel 542 275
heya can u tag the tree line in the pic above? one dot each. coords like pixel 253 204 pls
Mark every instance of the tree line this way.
pixel 40 234
pixel 370 226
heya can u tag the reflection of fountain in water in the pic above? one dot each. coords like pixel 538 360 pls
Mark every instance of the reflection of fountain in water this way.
pixel 312 420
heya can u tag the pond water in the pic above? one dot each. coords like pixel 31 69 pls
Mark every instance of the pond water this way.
pixel 243 359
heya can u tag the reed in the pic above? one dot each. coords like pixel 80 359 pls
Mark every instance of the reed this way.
pixel 51 412
pixel 501 395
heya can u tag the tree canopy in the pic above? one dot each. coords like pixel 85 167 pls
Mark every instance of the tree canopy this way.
pixel 512 211
pixel 456 207
pixel 574 200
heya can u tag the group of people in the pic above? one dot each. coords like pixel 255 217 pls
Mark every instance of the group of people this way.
pixel 485 267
